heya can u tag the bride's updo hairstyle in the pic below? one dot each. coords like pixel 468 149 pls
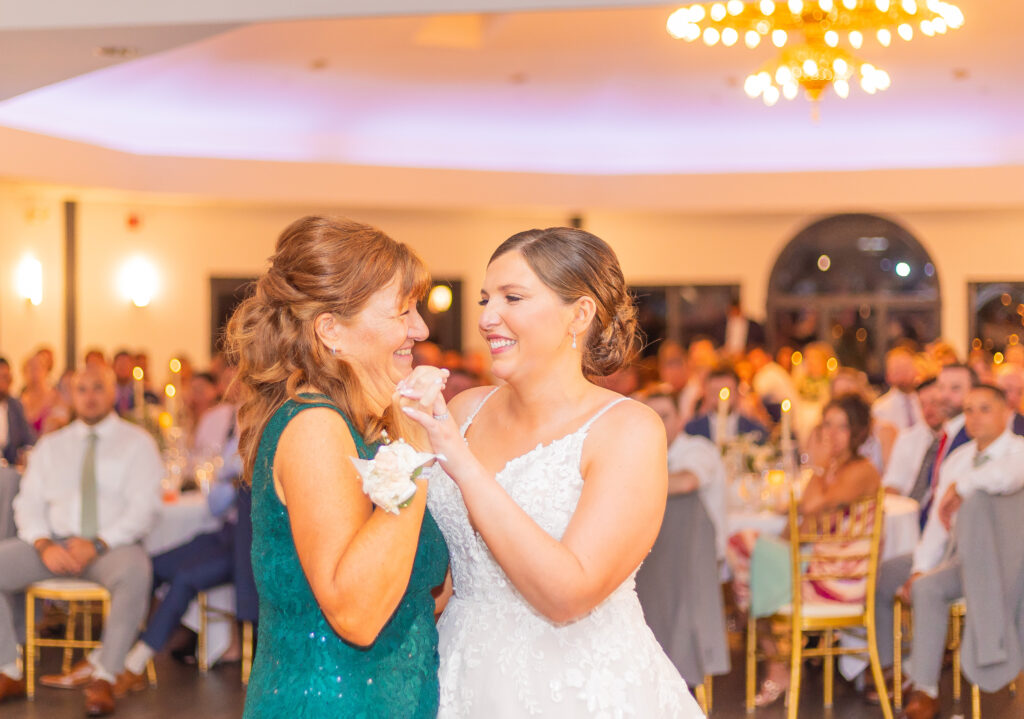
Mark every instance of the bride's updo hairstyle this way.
pixel 319 265
pixel 574 263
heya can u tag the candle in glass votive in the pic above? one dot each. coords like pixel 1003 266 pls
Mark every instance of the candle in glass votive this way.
pixel 722 418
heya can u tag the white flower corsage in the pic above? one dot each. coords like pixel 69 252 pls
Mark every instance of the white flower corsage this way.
pixel 388 477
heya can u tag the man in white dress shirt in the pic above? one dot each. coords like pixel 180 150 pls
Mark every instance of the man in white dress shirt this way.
pixel 993 462
pixel 899 406
pixel 90 493
pixel 913 444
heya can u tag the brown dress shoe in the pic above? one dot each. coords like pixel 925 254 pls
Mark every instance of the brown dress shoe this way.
pixel 920 706
pixel 79 676
pixel 11 688
pixel 128 681
pixel 99 698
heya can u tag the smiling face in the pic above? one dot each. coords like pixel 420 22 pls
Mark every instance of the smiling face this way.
pixel 526 325
pixel 835 430
pixel 378 340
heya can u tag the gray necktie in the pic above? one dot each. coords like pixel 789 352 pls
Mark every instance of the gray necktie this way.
pixel 924 475
pixel 89 510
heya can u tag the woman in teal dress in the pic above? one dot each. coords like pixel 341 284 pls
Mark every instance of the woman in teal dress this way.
pixel 346 614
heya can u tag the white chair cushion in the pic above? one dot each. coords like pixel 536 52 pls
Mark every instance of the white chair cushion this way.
pixel 826 610
pixel 61 584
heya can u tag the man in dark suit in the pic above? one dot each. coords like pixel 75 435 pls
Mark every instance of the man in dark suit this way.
pixel 15 432
pixel 711 423
pixel 737 332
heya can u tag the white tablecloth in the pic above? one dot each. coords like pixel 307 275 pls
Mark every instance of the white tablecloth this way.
pixel 900 533
pixel 179 522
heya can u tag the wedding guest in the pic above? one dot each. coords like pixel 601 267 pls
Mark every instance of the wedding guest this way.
pixel 738 332
pixel 95 358
pixel 878 446
pixel 707 424
pixel 123 364
pixel 915 447
pixel 90 493
pixel 840 477
pixel 899 406
pixel 935 580
pixel 771 383
pixel 346 613
pixel 981 361
pixel 15 433
pixel 217 423
pixel 42 403
pixel 202 398
pixel 1010 379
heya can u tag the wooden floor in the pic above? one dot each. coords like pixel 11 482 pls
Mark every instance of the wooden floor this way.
pixel 183 694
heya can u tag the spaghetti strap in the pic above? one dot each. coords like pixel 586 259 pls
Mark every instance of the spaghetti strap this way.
pixel 472 415
pixel 586 427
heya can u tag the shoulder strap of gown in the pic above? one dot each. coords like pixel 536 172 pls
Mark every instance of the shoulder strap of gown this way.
pixel 476 411
pixel 586 427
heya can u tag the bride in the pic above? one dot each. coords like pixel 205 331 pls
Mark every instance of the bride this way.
pixel 551 495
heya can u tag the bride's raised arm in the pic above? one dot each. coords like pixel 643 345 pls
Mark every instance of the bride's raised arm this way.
pixel 614 525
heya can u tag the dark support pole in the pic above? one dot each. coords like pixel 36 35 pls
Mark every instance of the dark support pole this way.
pixel 70 285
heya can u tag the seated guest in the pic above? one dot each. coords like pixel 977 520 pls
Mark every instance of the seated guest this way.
pixel 916 446
pixel 1010 379
pixel 771 383
pixel 990 462
pixel 694 465
pixel 706 424
pixel 899 406
pixel 216 423
pixel 90 493
pixel 42 403
pixel 95 358
pixel 841 477
pixel 878 446
pixel 15 433
pixel 674 373
pixel 205 562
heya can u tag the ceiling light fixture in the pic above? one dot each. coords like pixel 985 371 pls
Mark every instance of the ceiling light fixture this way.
pixel 811 35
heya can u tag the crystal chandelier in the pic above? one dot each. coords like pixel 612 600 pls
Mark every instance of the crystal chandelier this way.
pixel 812 35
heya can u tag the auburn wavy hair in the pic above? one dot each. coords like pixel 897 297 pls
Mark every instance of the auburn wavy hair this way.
pixel 320 264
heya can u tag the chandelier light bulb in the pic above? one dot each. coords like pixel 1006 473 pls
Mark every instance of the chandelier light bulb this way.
pixel 825 5
pixel 910 6
pixel 763 26
pixel 751 39
pixel 783 75
pixel 831 38
pixel 789 90
pixel 771 95
pixel 696 13
pixel 926 28
pixel 884 37
pixel 678 22
pixel 810 68
pixel 735 7
pixel 842 88
pixel 840 67
pixel 867 85
pixel 796 6
pixel 752 86
pixel 729 37
pixel 882 80
pixel 849 4
pixel 856 39
pixel 718 12
pixel 710 36
pixel 778 38
pixel 882 5
pixel 767 7
pixel 939 25
pixel 905 31
pixel 691 33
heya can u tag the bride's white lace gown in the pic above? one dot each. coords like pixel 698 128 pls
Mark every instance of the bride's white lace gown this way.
pixel 501 658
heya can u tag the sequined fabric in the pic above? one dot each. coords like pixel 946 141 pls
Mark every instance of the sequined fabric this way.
pixel 302 667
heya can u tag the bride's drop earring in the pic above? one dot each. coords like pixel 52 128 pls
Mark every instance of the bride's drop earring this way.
pixel 574 339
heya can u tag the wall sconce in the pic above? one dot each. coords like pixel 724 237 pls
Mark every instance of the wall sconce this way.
pixel 439 299
pixel 138 281
pixel 29 279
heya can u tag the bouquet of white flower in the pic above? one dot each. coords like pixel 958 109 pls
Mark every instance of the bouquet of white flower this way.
pixel 388 477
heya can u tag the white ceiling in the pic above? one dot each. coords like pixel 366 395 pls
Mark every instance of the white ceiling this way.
pixel 601 91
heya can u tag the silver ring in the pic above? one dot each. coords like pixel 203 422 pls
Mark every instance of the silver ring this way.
pixel 441 417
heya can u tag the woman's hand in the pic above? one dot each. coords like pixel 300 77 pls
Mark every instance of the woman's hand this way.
pixel 419 389
pixel 423 403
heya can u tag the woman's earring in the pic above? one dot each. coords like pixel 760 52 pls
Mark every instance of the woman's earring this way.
pixel 334 351
pixel 574 339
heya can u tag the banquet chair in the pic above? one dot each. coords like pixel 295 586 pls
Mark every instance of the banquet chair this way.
pixel 957 615
pixel 202 651
pixel 82 596
pixel 840 544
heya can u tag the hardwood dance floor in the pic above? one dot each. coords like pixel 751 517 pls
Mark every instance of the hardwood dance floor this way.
pixel 183 694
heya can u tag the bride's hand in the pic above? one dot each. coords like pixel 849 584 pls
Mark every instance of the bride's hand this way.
pixel 419 389
pixel 434 418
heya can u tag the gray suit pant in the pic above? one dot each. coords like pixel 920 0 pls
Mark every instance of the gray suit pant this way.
pixel 932 594
pixel 892 574
pixel 125 571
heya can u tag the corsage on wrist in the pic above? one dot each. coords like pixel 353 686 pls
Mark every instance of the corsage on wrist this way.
pixel 388 477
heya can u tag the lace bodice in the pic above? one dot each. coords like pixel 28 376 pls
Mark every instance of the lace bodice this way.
pixel 500 657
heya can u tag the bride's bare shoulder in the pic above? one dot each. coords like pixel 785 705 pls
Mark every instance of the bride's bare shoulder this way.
pixel 464 403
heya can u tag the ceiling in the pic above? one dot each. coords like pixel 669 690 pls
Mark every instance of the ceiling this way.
pixel 592 91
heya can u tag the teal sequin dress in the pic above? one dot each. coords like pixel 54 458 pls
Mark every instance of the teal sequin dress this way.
pixel 302 667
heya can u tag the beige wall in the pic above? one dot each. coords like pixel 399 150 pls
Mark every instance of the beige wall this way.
pixel 190 239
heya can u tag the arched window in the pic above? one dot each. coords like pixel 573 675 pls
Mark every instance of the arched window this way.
pixel 858 281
